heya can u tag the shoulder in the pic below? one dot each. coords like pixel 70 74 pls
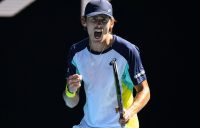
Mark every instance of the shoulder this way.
pixel 124 45
pixel 78 46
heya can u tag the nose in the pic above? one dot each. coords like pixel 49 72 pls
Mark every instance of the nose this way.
pixel 99 22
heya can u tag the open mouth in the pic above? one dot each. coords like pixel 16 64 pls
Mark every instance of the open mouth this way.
pixel 97 34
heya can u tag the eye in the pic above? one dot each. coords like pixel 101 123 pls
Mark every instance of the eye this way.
pixel 104 20
pixel 93 20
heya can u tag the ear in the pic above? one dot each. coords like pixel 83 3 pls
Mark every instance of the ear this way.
pixel 112 23
pixel 83 21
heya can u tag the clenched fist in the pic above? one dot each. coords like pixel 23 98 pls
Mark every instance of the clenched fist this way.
pixel 74 82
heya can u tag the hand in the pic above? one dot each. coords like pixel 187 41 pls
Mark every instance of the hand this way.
pixel 74 82
pixel 126 117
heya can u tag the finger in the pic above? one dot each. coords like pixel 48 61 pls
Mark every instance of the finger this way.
pixel 73 81
pixel 75 84
pixel 74 87
pixel 123 121
pixel 75 76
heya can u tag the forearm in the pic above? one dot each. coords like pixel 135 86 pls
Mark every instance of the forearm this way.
pixel 71 94
pixel 71 101
pixel 141 99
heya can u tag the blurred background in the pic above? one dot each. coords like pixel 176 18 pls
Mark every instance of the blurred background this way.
pixel 35 42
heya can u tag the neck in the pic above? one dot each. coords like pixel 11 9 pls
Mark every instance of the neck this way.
pixel 100 47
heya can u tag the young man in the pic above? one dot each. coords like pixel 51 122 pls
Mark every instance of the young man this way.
pixel 89 61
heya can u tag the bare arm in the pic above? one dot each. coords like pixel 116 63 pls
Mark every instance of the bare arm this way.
pixel 71 102
pixel 141 99
pixel 72 86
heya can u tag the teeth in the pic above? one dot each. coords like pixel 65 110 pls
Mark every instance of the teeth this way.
pixel 99 30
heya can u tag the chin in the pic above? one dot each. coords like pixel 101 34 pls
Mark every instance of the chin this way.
pixel 98 40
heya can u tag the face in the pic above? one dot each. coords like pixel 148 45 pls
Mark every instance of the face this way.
pixel 98 27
